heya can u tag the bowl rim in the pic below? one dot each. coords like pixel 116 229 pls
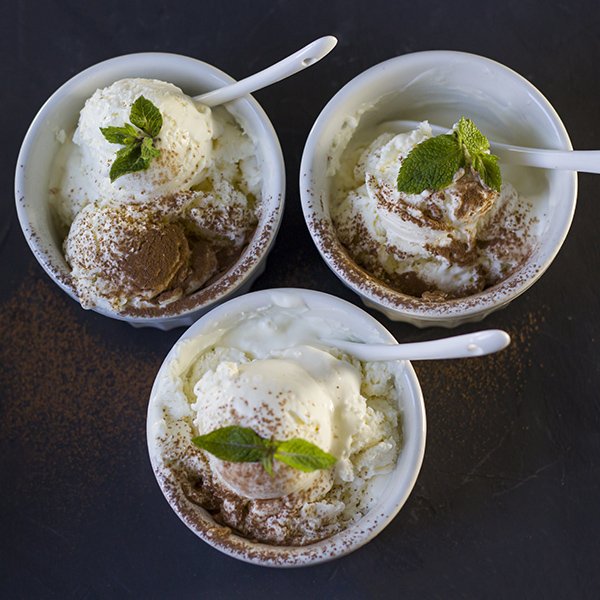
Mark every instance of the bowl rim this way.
pixel 369 288
pixel 351 538
pixel 247 261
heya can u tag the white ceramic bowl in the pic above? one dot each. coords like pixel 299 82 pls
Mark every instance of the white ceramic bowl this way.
pixel 392 490
pixel 440 86
pixel 61 112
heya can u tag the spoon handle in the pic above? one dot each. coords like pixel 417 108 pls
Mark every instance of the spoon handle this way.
pixel 459 346
pixel 584 161
pixel 298 61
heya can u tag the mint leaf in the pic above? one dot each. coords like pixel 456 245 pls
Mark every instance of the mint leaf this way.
pixel 242 444
pixel 234 444
pixel 476 147
pixel 303 455
pixel 469 135
pixel 139 147
pixel 431 165
pixel 148 150
pixel 128 160
pixel 146 116
pixel 489 170
pixel 120 135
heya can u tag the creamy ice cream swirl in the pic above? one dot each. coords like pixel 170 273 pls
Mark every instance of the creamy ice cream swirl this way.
pixel 447 243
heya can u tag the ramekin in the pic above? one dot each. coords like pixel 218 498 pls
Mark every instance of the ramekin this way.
pixel 61 113
pixel 393 489
pixel 440 86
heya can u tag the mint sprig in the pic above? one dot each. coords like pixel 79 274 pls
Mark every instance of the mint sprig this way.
pixel 242 444
pixel 302 455
pixel 146 116
pixel 139 141
pixel 432 164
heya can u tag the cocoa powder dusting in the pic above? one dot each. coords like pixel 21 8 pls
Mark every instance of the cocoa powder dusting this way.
pixel 74 394
pixel 466 398
pixel 471 239
pixel 155 259
pixel 365 283
pixel 475 199
pixel 250 519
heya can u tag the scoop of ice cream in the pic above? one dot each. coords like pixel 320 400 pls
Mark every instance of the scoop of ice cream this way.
pixel 419 242
pixel 184 142
pixel 279 399
pixel 271 381
pixel 221 213
pixel 289 395
pixel 123 253
pixel 416 222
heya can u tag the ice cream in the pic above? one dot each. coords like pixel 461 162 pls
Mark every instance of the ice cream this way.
pixel 267 370
pixel 436 245
pixel 128 253
pixel 182 221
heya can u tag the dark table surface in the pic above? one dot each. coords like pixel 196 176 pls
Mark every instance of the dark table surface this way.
pixel 507 502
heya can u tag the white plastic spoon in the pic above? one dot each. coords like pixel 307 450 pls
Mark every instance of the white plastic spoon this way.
pixel 585 161
pixel 298 61
pixel 459 346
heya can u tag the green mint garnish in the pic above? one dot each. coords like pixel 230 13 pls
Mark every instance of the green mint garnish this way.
pixel 233 443
pixel 242 444
pixel 128 160
pixel 139 147
pixel 148 150
pixel 489 170
pixel 432 164
pixel 146 116
pixel 125 135
pixel 302 455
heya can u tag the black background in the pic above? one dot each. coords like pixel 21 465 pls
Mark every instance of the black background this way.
pixel 507 502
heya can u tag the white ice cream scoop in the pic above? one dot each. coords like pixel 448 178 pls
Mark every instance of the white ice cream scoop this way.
pixel 291 65
pixel 279 400
pixel 584 161
pixel 459 346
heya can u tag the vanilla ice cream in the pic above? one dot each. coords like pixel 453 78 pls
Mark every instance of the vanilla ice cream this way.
pixel 443 244
pixel 203 188
pixel 267 370
pixel 185 142
pixel 129 253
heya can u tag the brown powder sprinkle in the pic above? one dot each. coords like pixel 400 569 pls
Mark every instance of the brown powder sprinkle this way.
pixel 368 285
pixel 155 260
pixel 473 236
pixel 140 253
pixel 467 405
pixel 252 519
pixel 74 393
pixel 475 199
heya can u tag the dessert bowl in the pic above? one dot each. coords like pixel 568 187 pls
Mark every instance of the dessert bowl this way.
pixel 170 427
pixel 441 86
pixel 59 115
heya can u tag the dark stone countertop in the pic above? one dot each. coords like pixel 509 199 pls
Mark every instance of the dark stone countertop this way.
pixel 506 504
